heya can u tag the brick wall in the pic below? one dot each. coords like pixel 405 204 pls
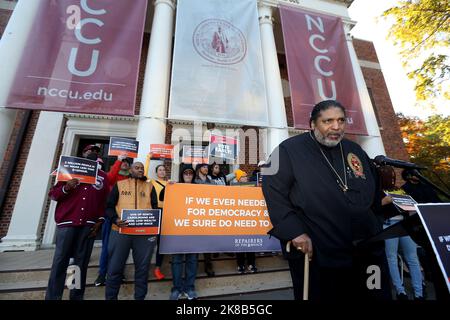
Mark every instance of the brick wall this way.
pixel 140 84
pixel 390 129
pixel 4 221
pixel 168 140
pixel 250 148
pixel 10 200
pixel 4 18
pixel 55 165
pixel 365 50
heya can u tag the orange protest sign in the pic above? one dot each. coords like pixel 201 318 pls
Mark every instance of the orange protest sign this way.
pixel 191 209
pixel 211 218
pixel 161 151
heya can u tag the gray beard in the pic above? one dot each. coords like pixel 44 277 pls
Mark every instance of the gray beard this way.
pixel 324 141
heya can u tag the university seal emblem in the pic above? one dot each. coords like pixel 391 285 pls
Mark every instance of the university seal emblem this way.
pixel 219 41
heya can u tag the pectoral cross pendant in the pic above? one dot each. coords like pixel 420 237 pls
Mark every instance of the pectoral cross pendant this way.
pixel 342 185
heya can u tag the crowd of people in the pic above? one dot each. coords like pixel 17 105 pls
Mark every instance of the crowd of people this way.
pixel 325 198
pixel 83 210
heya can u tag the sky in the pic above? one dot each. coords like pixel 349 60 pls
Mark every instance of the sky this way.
pixel 401 88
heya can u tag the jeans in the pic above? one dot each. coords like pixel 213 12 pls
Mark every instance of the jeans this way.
pixel 240 257
pixel 190 271
pixel 409 249
pixel 103 263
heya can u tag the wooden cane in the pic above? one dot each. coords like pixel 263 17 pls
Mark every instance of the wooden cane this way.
pixel 305 273
pixel 306 278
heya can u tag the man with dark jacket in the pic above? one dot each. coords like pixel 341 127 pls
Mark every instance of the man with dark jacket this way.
pixel 79 215
pixel 322 201
pixel 132 193
pixel 419 191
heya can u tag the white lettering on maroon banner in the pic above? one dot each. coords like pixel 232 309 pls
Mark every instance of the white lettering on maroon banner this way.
pixel 319 66
pixel 82 57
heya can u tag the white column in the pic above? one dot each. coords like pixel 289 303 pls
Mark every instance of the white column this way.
pixel 372 144
pixel 25 226
pixel 277 112
pixel 12 44
pixel 155 93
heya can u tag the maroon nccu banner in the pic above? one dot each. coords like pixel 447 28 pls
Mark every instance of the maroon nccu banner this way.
pixel 82 57
pixel 319 66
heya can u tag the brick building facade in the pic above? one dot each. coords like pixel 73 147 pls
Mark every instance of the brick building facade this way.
pixel 27 120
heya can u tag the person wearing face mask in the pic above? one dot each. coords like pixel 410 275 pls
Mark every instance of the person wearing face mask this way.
pixel 79 216
pixel 322 194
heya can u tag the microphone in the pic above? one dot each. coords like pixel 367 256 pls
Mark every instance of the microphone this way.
pixel 383 160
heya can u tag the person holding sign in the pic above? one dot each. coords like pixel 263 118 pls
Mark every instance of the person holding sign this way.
pixel 79 215
pixel 202 177
pixel 159 186
pixel 242 177
pixel 322 194
pixel 407 245
pixel 423 193
pixel 132 193
pixel 218 177
pixel 184 287
pixel 118 172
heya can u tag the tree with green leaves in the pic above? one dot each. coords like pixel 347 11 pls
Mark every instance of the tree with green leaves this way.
pixel 422 29
pixel 428 144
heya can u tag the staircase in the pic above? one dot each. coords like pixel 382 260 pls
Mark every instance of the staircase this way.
pixel 24 276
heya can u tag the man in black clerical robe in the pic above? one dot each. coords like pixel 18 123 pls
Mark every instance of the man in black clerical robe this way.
pixel 323 199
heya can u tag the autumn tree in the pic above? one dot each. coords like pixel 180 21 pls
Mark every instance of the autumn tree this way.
pixel 428 144
pixel 422 29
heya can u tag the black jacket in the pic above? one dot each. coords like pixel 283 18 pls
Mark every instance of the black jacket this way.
pixel 304 197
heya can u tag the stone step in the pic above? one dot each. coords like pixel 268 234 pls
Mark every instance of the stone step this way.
pixel 272 274
pixel 207 287
pixel 224 266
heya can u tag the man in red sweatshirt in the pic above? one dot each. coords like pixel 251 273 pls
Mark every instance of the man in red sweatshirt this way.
pixel 79 215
